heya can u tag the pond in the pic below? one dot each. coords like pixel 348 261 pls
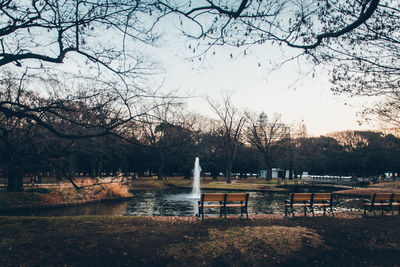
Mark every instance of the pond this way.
pixel 176 203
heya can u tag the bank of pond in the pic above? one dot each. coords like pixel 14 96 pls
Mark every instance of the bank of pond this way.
pixel 178 203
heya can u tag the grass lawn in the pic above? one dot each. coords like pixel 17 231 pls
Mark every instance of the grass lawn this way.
pixel 266 240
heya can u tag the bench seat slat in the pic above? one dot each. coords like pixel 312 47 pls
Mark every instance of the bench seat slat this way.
pixel 211 206
pixel 396 197
pixel 213 197
pixel 322 196
pixel 383 196
pixel 236 199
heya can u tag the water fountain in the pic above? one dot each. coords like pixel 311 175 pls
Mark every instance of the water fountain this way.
pixel 196 179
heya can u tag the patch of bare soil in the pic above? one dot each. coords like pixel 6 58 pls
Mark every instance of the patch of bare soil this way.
pixel 348 239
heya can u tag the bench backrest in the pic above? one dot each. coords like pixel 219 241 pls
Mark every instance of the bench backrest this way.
pixel 381 197
pixel 322 197
pixel 300 196
pixel 396 197
pixel 212 197
pixel 236 197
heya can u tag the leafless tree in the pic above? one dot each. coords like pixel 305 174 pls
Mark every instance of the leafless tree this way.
pixel 270 136
pixel 165 130
pixel 48 31
pixel 229 128
pixel 72 111
pixel 357 41
pixel 365 62
pixel 298 24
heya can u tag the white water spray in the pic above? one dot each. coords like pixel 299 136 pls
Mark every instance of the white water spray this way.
pixel 196 179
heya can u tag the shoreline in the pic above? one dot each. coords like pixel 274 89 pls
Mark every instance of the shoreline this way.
pixel 354 192
pixel 64 205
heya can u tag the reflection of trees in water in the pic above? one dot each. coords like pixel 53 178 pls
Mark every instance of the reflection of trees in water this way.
pixel 112 209
pixel 266 203
pixel 143 203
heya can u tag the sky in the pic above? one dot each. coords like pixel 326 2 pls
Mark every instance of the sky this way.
pixel 256 85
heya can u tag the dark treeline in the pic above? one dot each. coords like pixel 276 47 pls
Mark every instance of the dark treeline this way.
pixel 166 149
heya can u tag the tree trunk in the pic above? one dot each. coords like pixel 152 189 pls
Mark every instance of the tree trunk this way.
pixel 100 166
pixel 269 173
pixel 161 164
pixel 291 162
pixel 71 167
pixel 160 173
pixel 14 178
pixel 93 167
pixel 229 173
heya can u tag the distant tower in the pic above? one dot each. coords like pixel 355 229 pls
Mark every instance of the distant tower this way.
pixel 262 120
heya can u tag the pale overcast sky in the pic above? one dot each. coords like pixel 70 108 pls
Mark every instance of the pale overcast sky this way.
pixel 296 97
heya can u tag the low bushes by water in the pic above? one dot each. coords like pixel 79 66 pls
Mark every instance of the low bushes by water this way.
pixel 63 194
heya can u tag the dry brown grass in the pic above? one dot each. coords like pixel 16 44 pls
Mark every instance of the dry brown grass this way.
pixel 90 191
pixel 113 190
pixel 389 185
pixel 266 242
pixel 65 194
pixel 386 187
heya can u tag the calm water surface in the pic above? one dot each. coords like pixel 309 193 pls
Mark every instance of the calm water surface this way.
pixel 176 203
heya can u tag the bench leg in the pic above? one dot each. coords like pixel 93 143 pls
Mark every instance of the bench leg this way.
pixel 305 211
pixel 292 210
pixel 333 214
pixel 312 211
pixel 201 212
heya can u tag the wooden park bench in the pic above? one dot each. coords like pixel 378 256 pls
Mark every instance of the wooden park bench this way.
pixel 223 201
pixel 395 202
pixel 309 201
pixel 382 201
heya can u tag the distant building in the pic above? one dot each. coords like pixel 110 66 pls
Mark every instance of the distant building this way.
pixel 276 173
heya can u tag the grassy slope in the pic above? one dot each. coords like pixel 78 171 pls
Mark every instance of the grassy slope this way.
pixel 61 195
pixel 174 241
